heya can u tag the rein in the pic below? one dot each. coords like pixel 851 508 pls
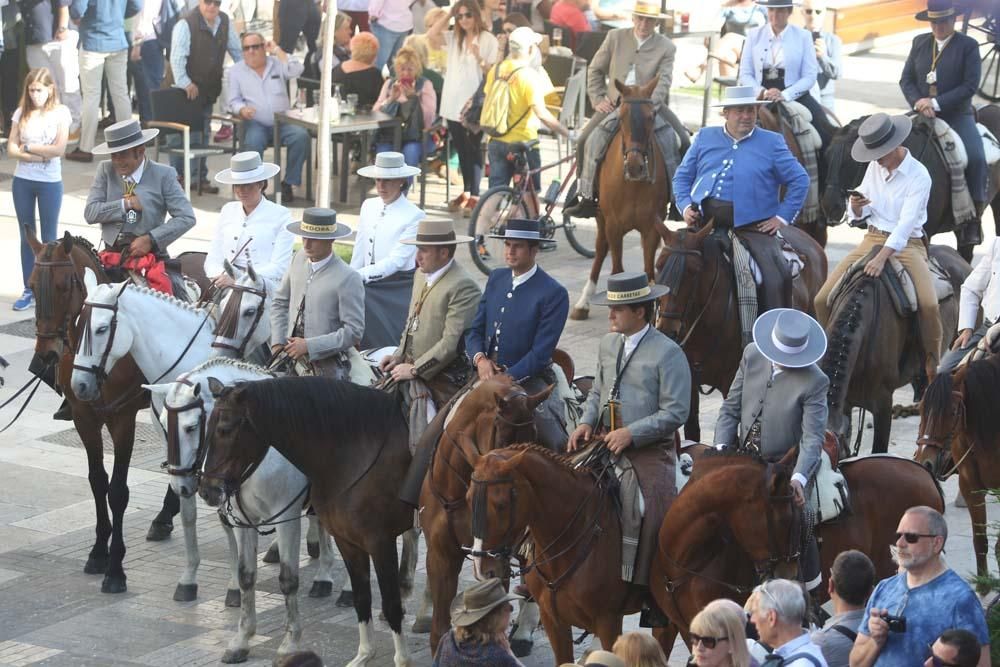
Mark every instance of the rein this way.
pixel 944 446
pixel 640 148
pixel 230 318
pixel 62 333
pixel 682 316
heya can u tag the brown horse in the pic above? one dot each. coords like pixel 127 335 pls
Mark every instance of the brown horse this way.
pixel 495 414
pixel 723 532
pixel 352 444
pixel 634 190
pixel 960 431
pixel 701 311
pixel 872 350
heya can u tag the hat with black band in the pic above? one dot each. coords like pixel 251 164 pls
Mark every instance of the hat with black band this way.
pixel 937 10
pixel 123 136
pixel 319 223
pixel 629 288
pixel 436 232
pixel 518 229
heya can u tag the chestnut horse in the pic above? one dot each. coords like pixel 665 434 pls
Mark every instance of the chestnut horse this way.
pixel 724 531
pixel 701 311
pixel 960 431
pixel 634 189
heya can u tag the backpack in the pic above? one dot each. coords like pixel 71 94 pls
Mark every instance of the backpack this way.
pixel 495 116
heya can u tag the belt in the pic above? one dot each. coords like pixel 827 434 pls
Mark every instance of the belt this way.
pixel 875 230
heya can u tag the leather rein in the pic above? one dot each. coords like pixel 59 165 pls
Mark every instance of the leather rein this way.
pixel 683 315
pixel 639 148
pixel 943 446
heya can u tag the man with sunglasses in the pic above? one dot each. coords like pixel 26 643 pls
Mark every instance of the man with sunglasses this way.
pixel 828 49
pixel 954 648
pixel 908 611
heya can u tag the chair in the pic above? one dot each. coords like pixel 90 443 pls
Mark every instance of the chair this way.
pixel 559 68
pixel 589 43
pixel 174 113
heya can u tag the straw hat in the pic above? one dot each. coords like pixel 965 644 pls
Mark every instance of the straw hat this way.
pixel 789 338
pixel 479 599
pixel 627 288
pixel 389 164
pixel 879 135
pixel 319 223
pixel 936 10
pixel 520 230
pixel 122 136
pixel 436 232
pixel 247 168
pixel 604 659
pixel 648 9
pixel 738 96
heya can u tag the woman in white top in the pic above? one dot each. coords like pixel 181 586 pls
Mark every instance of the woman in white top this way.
pixel 38 132
pixel 471 49
pixel 252 228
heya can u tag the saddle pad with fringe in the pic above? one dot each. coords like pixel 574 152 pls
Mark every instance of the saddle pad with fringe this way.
pixel 962 208
pixel 799 120
pixel 991 147
pixel 951 143
pixel 830 491
pixel 898 283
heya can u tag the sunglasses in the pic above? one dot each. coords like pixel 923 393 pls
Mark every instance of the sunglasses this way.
pixel 253 47
pixel 464 15
pixel 217 3
pixel 707 642
pixel 912 538
pixel 813 11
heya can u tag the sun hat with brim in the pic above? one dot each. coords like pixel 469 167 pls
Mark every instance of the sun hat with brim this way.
pixel 389 164
pixel 648 9
pixel 738 96
pixel 777 4
pixel 627 288
pixel 436 232
pixel 937 10
pixel 524 37
pixel 319 223
pixel 789 338
pixel 123 136
pixel 604 659
pixel 478 600
pixel 879 135
pixel 247 168
pixel 520 230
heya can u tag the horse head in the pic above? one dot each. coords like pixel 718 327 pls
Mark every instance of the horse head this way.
pixel 942 417
pixel 103 336
pixel 245 323
pixel 232 443
pixel 57 282
pixel 681 267
pixel 842 172
pixel 183 419
pixel 638 120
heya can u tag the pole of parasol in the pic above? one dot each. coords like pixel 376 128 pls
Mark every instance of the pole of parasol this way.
pixel 324 143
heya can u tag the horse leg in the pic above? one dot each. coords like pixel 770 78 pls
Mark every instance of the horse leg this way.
pixel 422 621
pixel 608 629
pixel 358 569
pixel 163 524
pixel 233 587
pixel 122 430
pixel 977 515
pixel 187 586
pixel 444 564
pixel 692 428
pixel 882 416
pixel 289 534
pixel 560 638
pixel 521 641
pixel 650 242
pixel 615 247
pixel 665 637
pixel 239 645
pixel 392 604
pixel 90 433
pixel 581 310
pixel 314 534
pixel 323 581
pixel 408 562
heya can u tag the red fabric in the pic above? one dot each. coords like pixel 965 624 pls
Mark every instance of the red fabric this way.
pixel 569 16
pixel 148 266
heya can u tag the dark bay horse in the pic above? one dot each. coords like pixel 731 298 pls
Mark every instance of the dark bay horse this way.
pixel 495 414
pixel 701 311
pixel 57 281
pixel 960 431
pixel 352 444
pixel 714 539
pixel 634 190
pixel 872 351
pixel 843 174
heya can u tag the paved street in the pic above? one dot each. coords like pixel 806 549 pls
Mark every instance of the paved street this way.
pixel 53 614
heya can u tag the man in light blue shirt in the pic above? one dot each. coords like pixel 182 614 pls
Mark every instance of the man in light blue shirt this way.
pixel 257 90
pixel 778 612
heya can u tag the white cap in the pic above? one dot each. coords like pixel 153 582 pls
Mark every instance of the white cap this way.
pixel 524 37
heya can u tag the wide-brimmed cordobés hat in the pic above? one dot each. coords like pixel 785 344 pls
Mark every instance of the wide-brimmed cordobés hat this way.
pixel 478 600
pixel 627 288
pixel 436 232
pixel 518 229
pixel 738 96
pixel 247 168
pixel 123 136
pixel 789 338
pixel 879 135
pixel 937 10
pixel 319 223
pixel 389 164
pixel 648 9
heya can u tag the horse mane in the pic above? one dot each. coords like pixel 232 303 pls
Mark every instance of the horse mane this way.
pixel 228 362
pixel 44 289
pixel 560 459
pixel 937 396
pixel 982 383
pixel 845 333
pixel 169 299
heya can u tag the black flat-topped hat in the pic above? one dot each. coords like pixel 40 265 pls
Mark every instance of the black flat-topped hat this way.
pixel 789 338
pixel 518 229
pixel 436 232
pixel 937 10
pixel 319 223
pixel 777 4
pixel 879 135
pixel 627 288
pixel 123 136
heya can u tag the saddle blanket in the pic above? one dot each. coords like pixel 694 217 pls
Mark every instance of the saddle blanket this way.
pixel 800 120
pixel 951 149
pixel 991 146
pixel 905 300
pixel 795 264
pixel 951 142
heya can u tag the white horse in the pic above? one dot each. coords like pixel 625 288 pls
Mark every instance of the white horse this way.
pixel 272 496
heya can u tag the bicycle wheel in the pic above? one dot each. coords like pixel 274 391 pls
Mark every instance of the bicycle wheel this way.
pixel 581 235
pixel 490 216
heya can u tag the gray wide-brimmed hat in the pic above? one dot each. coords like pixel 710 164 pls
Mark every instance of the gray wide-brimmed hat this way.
pixel 789 338
pixel 627 288
pixel 389 164
pixel 246 168
pixel 319 223
pixel 436 232
pixel 777 4
pixel 123 136
pixel 879 135
pixel 518 229
pixel 478 600
pixel 738 96
pixel 937 10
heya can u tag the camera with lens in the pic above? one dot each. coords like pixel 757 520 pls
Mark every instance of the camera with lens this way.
pixel 895 623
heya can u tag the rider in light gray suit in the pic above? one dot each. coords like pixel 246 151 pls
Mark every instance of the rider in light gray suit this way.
pixel 778 401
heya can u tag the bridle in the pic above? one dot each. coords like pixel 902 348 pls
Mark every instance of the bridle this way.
pixel 640 148
pixel 74 284
pixel 173 436
pixel 86 337
pixel 230 318
pixel 228 484
pixel 682 253
pixel 943 445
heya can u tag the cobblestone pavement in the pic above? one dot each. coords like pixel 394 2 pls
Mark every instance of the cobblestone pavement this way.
pixel 53 614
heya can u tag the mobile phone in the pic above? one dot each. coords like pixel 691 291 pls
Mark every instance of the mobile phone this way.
pixel 856 193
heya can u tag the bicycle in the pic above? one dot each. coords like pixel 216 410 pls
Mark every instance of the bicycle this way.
pixel 504 202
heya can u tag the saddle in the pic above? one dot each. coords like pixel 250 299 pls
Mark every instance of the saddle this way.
pixel 775 288
pixel 830 494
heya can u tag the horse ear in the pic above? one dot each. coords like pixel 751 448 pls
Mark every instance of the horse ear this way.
pixel 649 87
pixel 621 87
pixel 159 389
pixel 89 279
pixel 33 242
pixel 702 233
pixel 251 272
pixel 228 268
pixel 216 387
pixel 537 399
pixel 67 243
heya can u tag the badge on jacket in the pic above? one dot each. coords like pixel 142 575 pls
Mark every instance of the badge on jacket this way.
pixel 131 216
pixel 932 77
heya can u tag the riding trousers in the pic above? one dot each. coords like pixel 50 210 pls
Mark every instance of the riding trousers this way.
pixel 976 172
pixel 819 118
pixel 549 416
pixel 951 358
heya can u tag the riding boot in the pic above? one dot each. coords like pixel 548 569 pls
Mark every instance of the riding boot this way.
pixel 583 207
pixel 652 616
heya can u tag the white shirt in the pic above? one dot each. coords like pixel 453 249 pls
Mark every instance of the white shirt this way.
pixel 377 252
pixel 630 77
pixel 777 49
pixel 260 239
pixel 524 277
pixel 899 200
pixel 632 341
pixel 464 73
pixel 316 266
pixel 982 287
pixel 42 130
pixel 436 276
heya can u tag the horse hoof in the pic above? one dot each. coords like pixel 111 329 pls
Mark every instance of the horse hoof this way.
pixel 346 599
pixel 96 565
pixel 421 626
pixel 186 592
pixel 313 549
pixel 321 589
pixel 114 584
pixel 231 657
pixel 159 531
pixel 233 598
pixel 521 647
pixel 579 314
pixel 272 555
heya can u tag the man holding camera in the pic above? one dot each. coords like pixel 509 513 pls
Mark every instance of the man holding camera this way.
pixel 908 611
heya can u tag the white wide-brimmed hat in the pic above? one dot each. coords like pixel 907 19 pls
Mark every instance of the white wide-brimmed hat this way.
pixel 389 164
pixel 319 223
pixel 738 96
pixel 879 135
pixel 247 168
pixel 789 338
pixel 436 232
pixel 123 136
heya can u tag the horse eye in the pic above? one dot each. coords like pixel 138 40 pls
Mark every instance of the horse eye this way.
pixel 190 428
pixel 249 312
pixel 101 330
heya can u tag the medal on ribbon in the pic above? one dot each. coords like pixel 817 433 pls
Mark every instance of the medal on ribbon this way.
pixel 932 77
pixel 131 215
